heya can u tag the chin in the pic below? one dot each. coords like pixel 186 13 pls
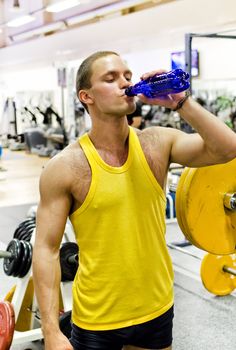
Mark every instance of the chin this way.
pixel 131 109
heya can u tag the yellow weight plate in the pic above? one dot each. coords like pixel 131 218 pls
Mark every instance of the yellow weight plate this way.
pixel 23 322
pixel 207 222
pixel 214 279
pixel 187 184
pixel 179 202
pixel 181 197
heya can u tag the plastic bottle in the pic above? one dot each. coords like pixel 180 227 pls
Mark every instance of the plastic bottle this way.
pixel 161 84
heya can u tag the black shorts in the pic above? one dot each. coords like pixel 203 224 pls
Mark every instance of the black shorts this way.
pixel 154 334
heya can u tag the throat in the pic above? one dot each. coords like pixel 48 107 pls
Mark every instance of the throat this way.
pixel 114 158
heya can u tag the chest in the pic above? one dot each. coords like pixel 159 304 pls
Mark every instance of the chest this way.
pixel 82 184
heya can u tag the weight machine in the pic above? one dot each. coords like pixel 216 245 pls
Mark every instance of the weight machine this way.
pixel 20 300
pixel 188 47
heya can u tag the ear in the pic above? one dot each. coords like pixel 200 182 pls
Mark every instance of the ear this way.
pixel 85 97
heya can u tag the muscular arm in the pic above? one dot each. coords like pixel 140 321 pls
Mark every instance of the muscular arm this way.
pixel 213 143
pixel 52 214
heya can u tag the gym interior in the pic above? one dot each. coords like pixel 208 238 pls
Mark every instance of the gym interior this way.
pixel 40 115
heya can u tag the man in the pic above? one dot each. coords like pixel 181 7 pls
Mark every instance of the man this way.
pixel 112 185
pixel 135 119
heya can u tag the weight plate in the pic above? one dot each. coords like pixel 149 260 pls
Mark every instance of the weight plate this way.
pixel 7 324
pixel 207 223
pixel 11 265
pixel 26 234
pixel 29 233
pixel 23 263
pixel 187 183
pixel 20 232
pixel 214 278
pixel 68 270
pixel 28 259
pixel 180 203
pixel 22 224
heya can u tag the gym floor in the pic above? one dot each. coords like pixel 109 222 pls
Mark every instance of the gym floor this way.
pixel 202 321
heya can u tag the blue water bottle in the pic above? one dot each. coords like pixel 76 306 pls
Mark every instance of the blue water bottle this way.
pixel 161 84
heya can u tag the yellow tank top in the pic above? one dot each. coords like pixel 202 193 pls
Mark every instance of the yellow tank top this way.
pixel 125 274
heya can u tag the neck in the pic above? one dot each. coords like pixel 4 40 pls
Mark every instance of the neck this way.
pixel 109 134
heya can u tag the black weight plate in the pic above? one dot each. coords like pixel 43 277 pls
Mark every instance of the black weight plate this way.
pixel 29 234
pixel 19 261
pixel 26 234
pixel 10 265
pixel 20 232
pixel 24 259
pixel 68 270
pixel 23 223
pixel 29 259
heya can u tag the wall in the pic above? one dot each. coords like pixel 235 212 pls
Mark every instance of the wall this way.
pixel 144 38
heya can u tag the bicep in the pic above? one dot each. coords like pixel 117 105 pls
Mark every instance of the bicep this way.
pixel 52 212
pixel 189 150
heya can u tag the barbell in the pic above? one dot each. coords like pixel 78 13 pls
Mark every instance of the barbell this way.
pixel 206 207
pixel 218 272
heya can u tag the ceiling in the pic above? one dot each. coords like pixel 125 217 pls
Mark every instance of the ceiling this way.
pixel 45 23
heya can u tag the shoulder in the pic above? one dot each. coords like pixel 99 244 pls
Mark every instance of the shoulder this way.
pixel 61 169
pixel 157 142
pixel 156 134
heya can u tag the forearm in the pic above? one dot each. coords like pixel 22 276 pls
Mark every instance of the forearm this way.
pixel 218 138
pixel 46 275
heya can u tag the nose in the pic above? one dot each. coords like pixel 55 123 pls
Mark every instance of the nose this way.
pixel 124 83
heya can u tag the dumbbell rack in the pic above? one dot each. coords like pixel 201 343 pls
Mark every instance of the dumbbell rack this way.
pixel 35 333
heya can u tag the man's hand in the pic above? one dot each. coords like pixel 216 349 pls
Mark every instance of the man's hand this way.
pixel 168 101
pixel 57 341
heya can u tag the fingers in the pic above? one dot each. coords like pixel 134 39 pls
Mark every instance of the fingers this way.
pixel 165 101
pixel 152 73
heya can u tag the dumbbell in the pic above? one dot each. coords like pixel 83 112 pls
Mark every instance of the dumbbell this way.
pixel 17 258
pixel 69 261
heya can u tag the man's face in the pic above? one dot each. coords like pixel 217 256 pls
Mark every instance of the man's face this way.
pixel 110 77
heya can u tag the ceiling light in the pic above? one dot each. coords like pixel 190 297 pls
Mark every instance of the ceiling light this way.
pixel 20 21
pixel 62 5
pixel 103 11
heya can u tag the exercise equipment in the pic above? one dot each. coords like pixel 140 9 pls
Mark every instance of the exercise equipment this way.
pixel 17 258
pixel 218 273
pixel 68 261
pixel 7 324
pixel 24 320
pixel 206 207
pixel 25 229
pixel 21 295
